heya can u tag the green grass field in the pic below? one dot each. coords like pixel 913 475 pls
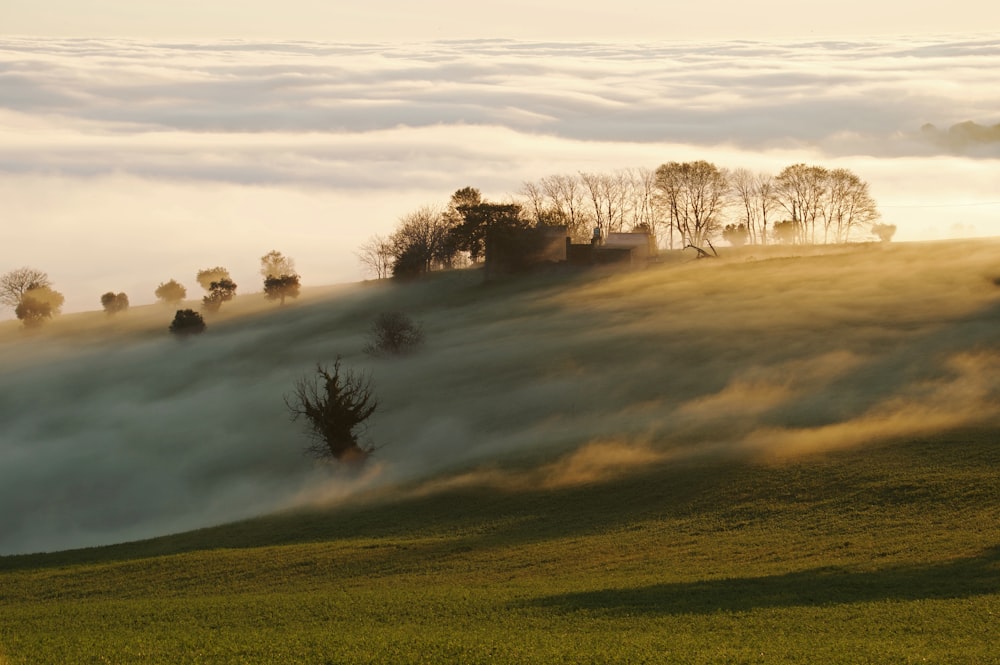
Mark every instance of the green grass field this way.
pixel 887 555
pixel 791 460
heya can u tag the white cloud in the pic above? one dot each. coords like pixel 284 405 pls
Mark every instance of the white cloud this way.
pixel 159 157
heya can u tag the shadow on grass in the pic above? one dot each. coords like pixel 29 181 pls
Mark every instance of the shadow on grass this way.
pixel 963 578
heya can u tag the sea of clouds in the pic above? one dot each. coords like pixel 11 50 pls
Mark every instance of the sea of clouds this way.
pixel 127 163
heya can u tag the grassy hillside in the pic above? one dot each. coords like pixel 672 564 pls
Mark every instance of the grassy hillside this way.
pixel 776 458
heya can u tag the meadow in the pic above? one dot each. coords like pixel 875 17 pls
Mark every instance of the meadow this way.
pixel 779 457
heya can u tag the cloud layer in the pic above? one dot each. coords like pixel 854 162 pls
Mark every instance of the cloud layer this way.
pixel 169 155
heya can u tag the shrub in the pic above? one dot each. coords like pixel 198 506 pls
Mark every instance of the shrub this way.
pixel 393 333
pixel 187 322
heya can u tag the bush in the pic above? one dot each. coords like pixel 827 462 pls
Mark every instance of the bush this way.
pixel 187 322
pixel 393 333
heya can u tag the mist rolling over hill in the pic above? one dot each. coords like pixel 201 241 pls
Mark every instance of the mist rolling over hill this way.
pixel 115 431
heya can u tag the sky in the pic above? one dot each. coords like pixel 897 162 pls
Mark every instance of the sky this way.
pixel 141 142
pixel 561 20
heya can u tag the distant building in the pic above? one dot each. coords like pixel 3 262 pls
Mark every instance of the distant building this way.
pixel 512 251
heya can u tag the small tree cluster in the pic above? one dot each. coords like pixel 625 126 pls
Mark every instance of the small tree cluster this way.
pixel 393 333
pixel 335 404
pixel 114 302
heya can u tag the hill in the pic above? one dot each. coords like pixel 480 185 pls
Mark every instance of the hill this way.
pixel 778 458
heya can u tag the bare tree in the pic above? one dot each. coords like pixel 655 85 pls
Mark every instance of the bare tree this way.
pixel 608 195
pixel 376 255
pixel 421 243
pixel 694 195
pixel 14 284
pixel 850 207
pixel 336 403
pixel 567 195
pixel 754 194
pixel 802 192
pixel 535 201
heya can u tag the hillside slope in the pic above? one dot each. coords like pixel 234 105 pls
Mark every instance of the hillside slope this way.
pixel 114 431
pixel 758 459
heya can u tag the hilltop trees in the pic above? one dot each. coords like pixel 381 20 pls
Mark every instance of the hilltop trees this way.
pixel 114 302
pixel 219 292
pixel 376 255
pixel 280 279
pixel 170 292
pixel 221 288
pixel 336 404
pixel 29 292
pixel 38 304
pixel 14 284
pixel 834 202
pixel 694 195
pixel 421 242
pixel 208 275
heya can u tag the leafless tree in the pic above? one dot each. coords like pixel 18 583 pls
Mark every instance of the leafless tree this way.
pixel 609 197
pixel 802 191
pixel 567 196
pixel 754 195
pixel 376 255
pixel 14 284
pixel 850 208
pixel 694 195
pixel 422 242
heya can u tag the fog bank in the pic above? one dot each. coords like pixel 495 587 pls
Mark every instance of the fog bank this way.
pixel 114 431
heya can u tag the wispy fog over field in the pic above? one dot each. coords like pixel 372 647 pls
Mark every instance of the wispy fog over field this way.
pixel 113 431
pixel 163 158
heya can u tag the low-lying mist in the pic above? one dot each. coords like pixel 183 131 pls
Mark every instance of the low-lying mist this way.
pixel 115 431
